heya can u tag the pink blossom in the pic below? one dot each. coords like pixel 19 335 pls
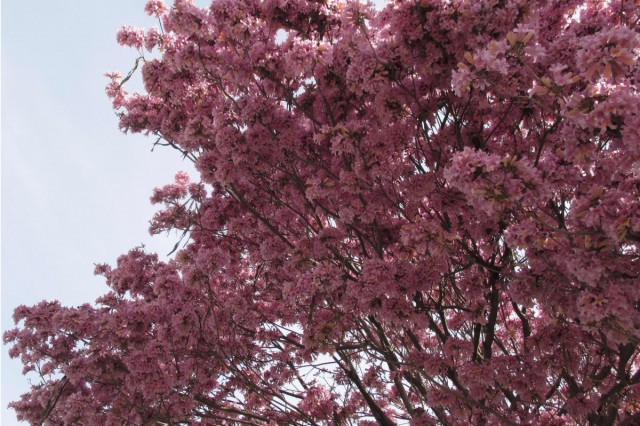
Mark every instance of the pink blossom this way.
pixel 152 39
pixel 609 53
pixel 131 36
pixel 155 8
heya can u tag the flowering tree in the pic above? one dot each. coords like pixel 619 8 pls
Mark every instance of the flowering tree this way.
pixel 428 214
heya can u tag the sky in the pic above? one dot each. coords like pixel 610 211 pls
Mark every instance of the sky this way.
pixel 75 190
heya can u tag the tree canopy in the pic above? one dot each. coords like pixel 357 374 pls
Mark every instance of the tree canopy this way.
pixel 424 214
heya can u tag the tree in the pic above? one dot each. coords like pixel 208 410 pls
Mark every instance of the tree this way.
pixel 428 214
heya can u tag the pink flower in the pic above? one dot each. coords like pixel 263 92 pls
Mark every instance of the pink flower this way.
pixel 155 8
pixel 131 36
pixel 609 53
pixel 152 39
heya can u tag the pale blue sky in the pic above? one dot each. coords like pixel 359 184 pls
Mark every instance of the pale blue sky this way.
pixel 75 191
